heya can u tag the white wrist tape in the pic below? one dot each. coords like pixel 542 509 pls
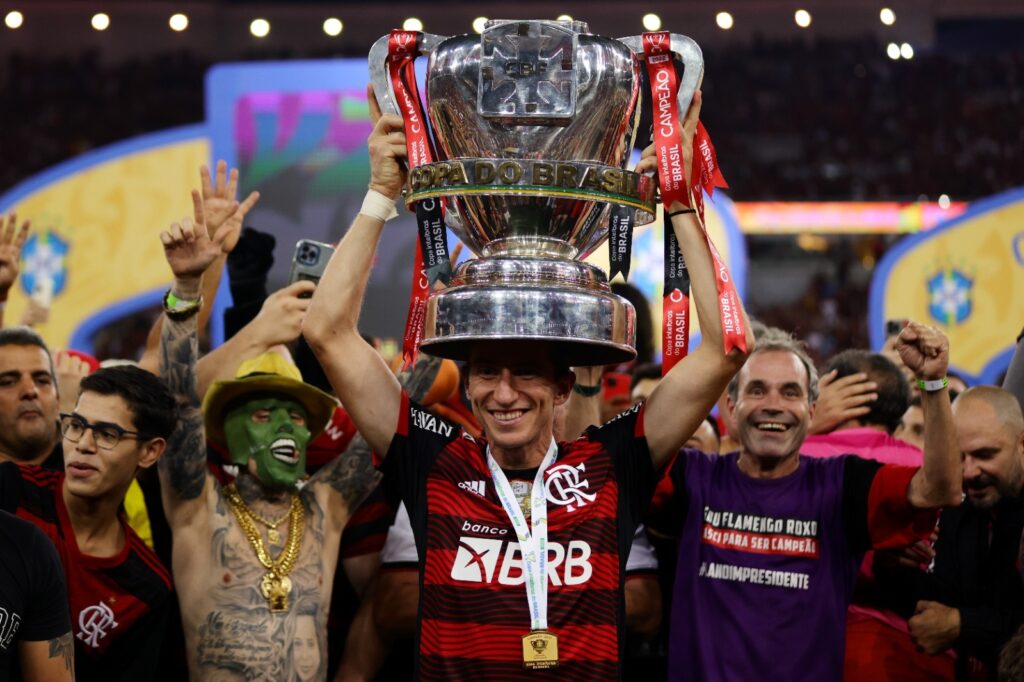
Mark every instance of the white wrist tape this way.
pixel 378 206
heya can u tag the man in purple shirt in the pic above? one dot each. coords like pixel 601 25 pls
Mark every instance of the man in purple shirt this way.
pixel 770 540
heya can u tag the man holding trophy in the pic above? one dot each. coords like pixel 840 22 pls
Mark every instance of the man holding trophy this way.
pixel 534 122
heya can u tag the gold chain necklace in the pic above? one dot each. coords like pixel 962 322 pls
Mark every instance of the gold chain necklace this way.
pixel 275 585
pixel 273 535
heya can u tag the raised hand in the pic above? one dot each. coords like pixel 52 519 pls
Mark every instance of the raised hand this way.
pixel 220 205
pixel 840 400
pixel 280 318
pixel 649 157
pixel 70 369
pixel 387 150
pixel 188 248
pixel 12 238
pixel 924 350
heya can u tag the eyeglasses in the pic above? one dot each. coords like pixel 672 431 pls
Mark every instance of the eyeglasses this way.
pixel 107 436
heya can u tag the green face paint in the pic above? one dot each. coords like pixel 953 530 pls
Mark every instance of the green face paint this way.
pixel 272 432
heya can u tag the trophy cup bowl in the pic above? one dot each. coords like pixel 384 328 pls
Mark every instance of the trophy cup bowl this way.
pixel 533 125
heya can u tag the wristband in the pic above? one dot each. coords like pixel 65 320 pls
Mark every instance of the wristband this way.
pixel 177 309
pixel 682 211
pixel 587 391
pixel 378 206
pixel 932 385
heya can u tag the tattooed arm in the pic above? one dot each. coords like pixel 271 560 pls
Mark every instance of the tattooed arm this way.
pixel 184 477
pixel 50 660
pixel 342 484
pixel 351 476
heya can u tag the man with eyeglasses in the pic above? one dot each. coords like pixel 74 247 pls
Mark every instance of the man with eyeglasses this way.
pixel 117 588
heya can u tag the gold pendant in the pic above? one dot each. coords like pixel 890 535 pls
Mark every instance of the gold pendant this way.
pixel 273 536
pixel 540 650
pixel 276 590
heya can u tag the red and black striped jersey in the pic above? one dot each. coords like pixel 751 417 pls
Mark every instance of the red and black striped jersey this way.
pixel 118 604
pixel 473 608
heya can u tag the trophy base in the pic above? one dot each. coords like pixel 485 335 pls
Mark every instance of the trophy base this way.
pixel 563 303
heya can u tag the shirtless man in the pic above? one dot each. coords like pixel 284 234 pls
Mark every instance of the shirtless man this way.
pixel 246 616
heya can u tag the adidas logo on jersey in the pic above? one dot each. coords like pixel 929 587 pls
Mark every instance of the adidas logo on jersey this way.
pixel 478 487
pixel 487 560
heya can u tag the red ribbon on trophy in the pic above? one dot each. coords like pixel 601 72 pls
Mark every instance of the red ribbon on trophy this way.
pixel 706 176
pixel 432 260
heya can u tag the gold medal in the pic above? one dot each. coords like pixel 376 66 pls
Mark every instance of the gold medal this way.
pixel 540 650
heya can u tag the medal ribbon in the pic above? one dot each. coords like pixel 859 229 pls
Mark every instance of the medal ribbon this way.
pixel 620 241
pixel 672 178
pixel 533 542
pixel 675 306
pixel 432 261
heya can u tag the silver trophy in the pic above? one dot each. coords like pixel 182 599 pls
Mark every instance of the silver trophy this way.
pixel 533 125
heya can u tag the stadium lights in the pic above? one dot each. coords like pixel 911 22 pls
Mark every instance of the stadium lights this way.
pixel 652 22
pixel 100 21
pixel 178 22
pixel 259 28
pixel 944 201
pixel 479 23
pixel 412 24
pixel 893 50
pixel 565 17
pixel 887 16
pixel 724 20
pixel 802 18
pixel 906 51
pixel 333 26
pixel 14 19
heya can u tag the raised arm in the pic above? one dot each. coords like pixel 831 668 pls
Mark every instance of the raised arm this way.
pixel 183 474
pixel 685 396
pixel 220 209
pixel 925 350
pixel 359 375
pixel 278 322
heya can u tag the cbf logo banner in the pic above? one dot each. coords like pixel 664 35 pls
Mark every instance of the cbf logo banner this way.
pixel 965 277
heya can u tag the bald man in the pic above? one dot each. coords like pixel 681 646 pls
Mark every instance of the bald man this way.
pixel 972 600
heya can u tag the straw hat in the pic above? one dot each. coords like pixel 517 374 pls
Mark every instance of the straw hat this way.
pixel 269 373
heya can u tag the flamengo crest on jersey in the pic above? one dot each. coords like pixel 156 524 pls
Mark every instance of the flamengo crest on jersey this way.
pixel 94 622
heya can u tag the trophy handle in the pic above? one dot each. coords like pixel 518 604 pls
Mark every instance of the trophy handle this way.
pixel 688 53
pixel 378 59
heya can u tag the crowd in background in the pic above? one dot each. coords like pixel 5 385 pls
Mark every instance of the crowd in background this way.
pixel 828 120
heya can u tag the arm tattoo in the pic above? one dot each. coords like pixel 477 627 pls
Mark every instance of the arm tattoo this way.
pixel 418 379
pixel 64 645
pixel 352 473
pixel 184 463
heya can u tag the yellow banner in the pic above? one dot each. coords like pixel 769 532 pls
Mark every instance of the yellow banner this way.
pixel 96 222
pixel 965 277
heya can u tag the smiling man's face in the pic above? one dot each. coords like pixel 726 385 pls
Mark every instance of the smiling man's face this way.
pixel 772 410
pixel 268 435
pixel 513 390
